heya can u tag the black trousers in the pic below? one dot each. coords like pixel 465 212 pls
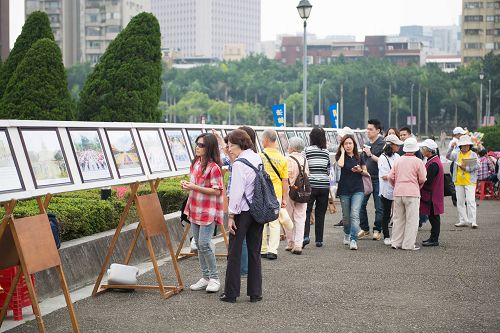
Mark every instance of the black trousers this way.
pixel 386 215
pixel 320 196
pixel 246 227
pixel 435 221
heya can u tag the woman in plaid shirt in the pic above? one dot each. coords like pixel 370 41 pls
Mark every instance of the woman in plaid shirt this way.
pixel 204 207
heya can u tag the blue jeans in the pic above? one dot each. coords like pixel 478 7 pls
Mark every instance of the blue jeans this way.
pixel 351 206
pixel 244 257
pixel 379 211
pixel 203 236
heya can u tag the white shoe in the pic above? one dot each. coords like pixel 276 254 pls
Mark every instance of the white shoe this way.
pixel 461 224
pixel 347 239
pixel 474 226
pixel 354 245
pixel 377 235
pixel 193 245
pixel 387 241
pixel 200 285
pixel 213 286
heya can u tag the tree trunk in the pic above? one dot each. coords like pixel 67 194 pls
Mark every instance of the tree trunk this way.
pixel 397 116
pixel 456 116
pixel 366 115
pixel 341 111
pixel 390 106
pixel 427 111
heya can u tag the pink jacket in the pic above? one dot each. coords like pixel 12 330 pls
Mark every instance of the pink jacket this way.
pixel 408 176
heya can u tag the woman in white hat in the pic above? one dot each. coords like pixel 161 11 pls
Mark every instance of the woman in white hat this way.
pixel 465 168
pixel 407 176
pixel 385 164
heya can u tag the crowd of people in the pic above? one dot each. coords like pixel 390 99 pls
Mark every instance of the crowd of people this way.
pixel 405 178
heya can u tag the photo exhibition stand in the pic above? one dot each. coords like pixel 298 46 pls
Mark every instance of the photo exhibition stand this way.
pixel 28 243
pixel 151 223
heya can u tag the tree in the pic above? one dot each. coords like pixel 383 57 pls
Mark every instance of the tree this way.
pixel 38 89
pixel 77 74
pixel 37 26
pixel 456 99
pixel 126 84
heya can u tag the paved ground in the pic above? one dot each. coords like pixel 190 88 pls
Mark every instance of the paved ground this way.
pixel 451 288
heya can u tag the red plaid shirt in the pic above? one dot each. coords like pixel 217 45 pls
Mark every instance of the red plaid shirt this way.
pixel 487 168
pixel 203 209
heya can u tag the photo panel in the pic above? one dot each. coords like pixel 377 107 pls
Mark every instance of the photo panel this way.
pixel 192 135
pixel 306 137
pixel 259 135
pixel 10 177
pixel 125 154
pixel 301 135
pixel 178 148
pixel 284 141
pixel 290 134
pixel 361 139
pixel 154 150
pixel 90 155
pixel 331 141
pixel 46 157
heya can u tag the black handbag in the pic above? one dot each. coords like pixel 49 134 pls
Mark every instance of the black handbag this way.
pixel 449 187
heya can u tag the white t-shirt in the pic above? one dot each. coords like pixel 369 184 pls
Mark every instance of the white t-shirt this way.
pixel 385 164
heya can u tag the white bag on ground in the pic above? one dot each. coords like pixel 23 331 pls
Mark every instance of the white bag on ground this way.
pixel 122 274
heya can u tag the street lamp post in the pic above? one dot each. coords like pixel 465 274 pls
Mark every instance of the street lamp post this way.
pixel 488 107
pixel 411 107
pixel 230 101
pixel 481 77
pixel 319 100
pixel 304 9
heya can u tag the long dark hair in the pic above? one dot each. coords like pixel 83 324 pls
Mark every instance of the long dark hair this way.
pixel 355 149
pixel 317 137
pixel 388 149
pixel 212 153
pixel 251 134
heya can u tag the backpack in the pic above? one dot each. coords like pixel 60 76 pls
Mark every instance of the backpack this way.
pixel 264 207
pixel 300 191
pixel 54 227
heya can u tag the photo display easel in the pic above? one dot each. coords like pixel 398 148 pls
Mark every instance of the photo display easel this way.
pixel 28 244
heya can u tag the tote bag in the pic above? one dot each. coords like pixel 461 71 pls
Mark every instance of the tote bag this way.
pixel 367 185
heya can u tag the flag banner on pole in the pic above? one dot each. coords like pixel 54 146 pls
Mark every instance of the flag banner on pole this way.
pixel 334 115
pixel 279 114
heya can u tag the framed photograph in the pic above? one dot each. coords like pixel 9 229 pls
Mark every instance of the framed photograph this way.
pixel 89 153
pixel 290 134
pixel 361 139
pixel 46 157
pixel 259 135
pixel 178 148
pixel 10 178
pixel 301 135
pixel 125 153
pixel 154 150
pixel 192 135
pixel 284 141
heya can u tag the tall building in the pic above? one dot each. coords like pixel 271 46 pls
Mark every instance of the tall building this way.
pixel 480 29
pixel 437 40
pixel 83 29
pixel 4 29
pixel 205 28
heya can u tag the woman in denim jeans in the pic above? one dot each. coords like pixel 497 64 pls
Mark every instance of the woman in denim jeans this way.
pixel 350 188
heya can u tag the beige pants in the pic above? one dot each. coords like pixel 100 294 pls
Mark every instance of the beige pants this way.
pixel 272 232
pixel 405 219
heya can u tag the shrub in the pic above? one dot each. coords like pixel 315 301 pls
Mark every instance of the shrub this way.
pixel 491 139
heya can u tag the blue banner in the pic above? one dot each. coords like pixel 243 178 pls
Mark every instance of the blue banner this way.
pixel 334 115
pixel 279 114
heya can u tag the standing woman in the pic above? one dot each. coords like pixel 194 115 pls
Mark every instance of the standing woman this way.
pixel 407 176
pixel 465 179
pixel 350 188
pixel 385 163
pixel 318 159
pixel 241 224
pixel 204 207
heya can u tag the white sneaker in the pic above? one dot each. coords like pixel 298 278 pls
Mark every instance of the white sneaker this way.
pixel 347 239
pixel 387 241
pixel 200 285
pixel 354 245
pixel 474 226
pixel 193 245
pixel 213 286
pixel 461 224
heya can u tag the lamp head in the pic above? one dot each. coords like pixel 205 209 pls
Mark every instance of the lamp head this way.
pixel 481 75
pixel 304 9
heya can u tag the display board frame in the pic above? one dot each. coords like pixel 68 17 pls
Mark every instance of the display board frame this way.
pixel 16 164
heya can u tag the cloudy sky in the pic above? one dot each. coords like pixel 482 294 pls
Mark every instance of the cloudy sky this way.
pixel 332 17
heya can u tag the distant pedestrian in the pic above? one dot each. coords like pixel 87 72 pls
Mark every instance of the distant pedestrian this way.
pixel 392 130
pixel 407 176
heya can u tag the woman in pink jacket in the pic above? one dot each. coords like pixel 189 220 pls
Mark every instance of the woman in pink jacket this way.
pixel 407 176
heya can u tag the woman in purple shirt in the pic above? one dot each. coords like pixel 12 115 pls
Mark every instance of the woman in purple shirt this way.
pixel 241 224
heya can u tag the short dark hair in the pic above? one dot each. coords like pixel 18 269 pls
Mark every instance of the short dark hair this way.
pixel 317 137
pixel 240 138
pixel 251 134
pixel 376 123
pixel 407 129
pixel 482 152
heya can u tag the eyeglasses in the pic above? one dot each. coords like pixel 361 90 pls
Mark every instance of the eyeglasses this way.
pixel 200 145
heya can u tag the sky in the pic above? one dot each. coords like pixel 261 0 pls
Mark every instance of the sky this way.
pixel 330 17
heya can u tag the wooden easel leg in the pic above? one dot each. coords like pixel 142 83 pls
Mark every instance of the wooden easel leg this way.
pixel 183 240
pixel 155 266
pixel 134 187
pixel 67 296
pixel 34 301
pixel 174 260
pixel 133 244
pixel 5 306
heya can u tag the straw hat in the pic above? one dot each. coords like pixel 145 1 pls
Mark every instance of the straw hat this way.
pixel 392 138
pixel 431 144
pixel 410 145
pixel 464 141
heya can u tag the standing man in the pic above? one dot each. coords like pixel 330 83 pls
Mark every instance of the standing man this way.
pixel 371 153
pixel 276 165
pixel 405 133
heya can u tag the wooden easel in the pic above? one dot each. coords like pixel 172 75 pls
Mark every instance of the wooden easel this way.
pixel 28 243
pixel 151 223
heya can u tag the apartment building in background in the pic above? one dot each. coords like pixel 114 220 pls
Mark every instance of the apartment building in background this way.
pixel 209 28
pixel 436 40
pixel 4 29
pixel 480 29
pixel 83 29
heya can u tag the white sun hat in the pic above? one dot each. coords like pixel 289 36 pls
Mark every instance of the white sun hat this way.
pixel 428 143
pixel 410 145
pixel 458 130
pixel 392 138
pixel 346 131
pixel 464 141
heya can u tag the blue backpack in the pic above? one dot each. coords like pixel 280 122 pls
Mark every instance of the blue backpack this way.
pixel 264 207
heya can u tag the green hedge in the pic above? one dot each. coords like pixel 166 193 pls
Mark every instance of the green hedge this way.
pixel 83 213
pixel 491 139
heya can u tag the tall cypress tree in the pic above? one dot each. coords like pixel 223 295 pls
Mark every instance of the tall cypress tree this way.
pixel 37 26
pixel 39 88
pixel 126 84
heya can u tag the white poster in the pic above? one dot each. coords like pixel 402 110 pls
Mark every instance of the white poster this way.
pixel 90 156
pixel 154 151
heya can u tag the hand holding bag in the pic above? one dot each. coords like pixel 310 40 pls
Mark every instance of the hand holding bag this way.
pixel 367 185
